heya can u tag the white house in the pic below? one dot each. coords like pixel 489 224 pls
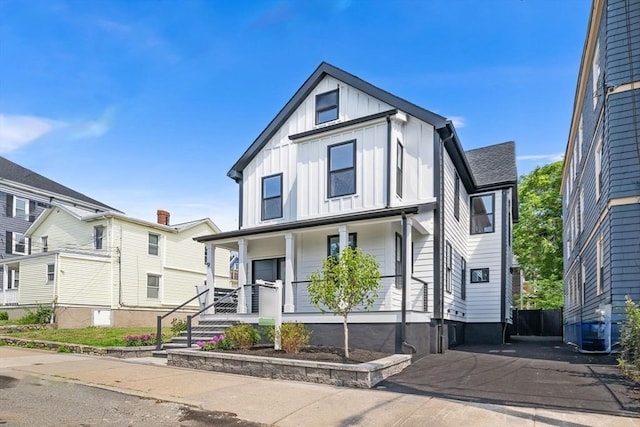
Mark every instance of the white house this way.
pixel 346 163
pixel 106 268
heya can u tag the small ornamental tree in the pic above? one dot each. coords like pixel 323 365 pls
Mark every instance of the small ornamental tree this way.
pixel 346 281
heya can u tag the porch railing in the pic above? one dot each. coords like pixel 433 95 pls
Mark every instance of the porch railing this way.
pixel 159 319
pixel 222 303
pixel 9 297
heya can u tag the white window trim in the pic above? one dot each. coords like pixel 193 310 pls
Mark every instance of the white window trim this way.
pixel 51 275
pixel 159 298
pixel 26 207
pixel 599 262
pixel 598 167
pixel 595 74
pixel 14 243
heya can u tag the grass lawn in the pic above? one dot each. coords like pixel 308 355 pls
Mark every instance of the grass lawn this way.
pixel 98 337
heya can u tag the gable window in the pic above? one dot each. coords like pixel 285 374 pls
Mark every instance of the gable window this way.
pixel 482 216
pixel 399 272
pixel 456 198
pixel 20 244
pixel 154 244
pixel 98 236
pixel 327 107
pixel 479 275
pixel 448 273
pixel 463 278
pixel 45 243
pixel 272 197
pixel 333 244
pixel 399 167
pixel 342 169
pixel 51 272
pixel 153 286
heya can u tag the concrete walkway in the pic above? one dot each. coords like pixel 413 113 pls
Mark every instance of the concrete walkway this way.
pixel 284 403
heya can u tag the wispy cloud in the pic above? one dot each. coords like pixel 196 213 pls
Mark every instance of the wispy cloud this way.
pixel 276 15
pixel 18 131
pixel 458 121
pixel 93 128
pixel 553 157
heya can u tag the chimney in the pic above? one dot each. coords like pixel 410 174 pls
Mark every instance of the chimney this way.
pixel 163 217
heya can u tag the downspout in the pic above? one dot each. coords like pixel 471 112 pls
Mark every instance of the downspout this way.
pixel 240 196
pixel 405 283
pixel 503 264
pixel 438 222
pixel 388 204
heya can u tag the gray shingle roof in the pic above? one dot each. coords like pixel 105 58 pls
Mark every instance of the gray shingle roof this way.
pixel 492 165
pixel 16 173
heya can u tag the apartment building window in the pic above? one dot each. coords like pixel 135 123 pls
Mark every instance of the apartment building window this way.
pixel 463 278
pixel 51 272
pixel 327 107
pixel 98 236
pixel 398 263
pixel 45 243
pixel 583 279
pixel 399 168
pixel 599 267
pixel 272 197
pixel 448 262
pixel 154 244
pixel 342 169
pixel 595 74
pixel 479 275
pixel 14 279
pixel 581 211
pixel 580 136
pixel 153 286
pixel 333 244
pixel 482 215
pixel 20 208
pixel 18 243
pixel 598 168
pixel 456 197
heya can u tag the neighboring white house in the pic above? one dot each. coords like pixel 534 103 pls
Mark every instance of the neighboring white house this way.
pixel 346 163
pixel 106 268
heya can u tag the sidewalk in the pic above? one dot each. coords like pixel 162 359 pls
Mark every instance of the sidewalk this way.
pixel 282 403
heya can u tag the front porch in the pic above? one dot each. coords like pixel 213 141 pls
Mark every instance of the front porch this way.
pixel 9 283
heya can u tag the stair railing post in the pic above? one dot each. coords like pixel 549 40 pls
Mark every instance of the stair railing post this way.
pixel 189 331
pixel 159 333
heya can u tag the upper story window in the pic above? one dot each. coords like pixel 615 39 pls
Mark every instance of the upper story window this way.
pixel 399 168
pixel 327 107
pixel 154 244
pixel 20 208
pixel 482 214
pixel 598 168
pixel 45 243
pixel 51 272
pixel 342 169
pixel 580 137
pixel 333 244
pixel 272 197
pixel 595 74
pixel 479 275
pixel 98 236
pixel 19 244
pixel 456 198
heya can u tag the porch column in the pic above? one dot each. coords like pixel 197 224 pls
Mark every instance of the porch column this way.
pixel 289 306
pixel 210 282
pixel 242 275
pixel 5 283
pixel 343 232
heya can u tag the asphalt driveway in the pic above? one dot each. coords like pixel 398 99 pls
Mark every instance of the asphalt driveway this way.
pixel 539 372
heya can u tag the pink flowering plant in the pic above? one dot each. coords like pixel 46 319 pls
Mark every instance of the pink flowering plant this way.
pixel 139 340
pixel 219 342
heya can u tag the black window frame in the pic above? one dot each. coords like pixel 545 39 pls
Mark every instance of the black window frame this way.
pixel 448 259
pixel 265 199
pixel 473 215
pixel 483 270
pixel 398 260
pixel 330 172
pixel 98 237
pixel 45 243
pixel 151 245
pixel 463 278
pixel 335 106
pixel 352 241
pixel 456 197
pixel 399 168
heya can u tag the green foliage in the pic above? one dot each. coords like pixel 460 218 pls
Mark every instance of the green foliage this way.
pixel 218 342
pixel 629 358
pixel 64 349
pixel 2 342
pixel 41 316
pixel 94 336
pixel 177 326
pixel 242 335
pixel 139 340
pixel 293 336
pixel 349 280
pixel 4 315
pixel 537 237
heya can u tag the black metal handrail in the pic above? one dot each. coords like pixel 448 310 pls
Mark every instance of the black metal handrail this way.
pixel 159 319
pixel 191 316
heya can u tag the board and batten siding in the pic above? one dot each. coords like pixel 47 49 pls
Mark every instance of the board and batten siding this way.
pixel 82 280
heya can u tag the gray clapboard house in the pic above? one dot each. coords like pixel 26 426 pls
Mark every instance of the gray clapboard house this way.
pixel 601 180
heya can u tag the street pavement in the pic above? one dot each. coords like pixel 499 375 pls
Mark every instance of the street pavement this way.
pixel 397 401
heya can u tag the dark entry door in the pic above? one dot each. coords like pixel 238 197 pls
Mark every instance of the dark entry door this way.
pixel 269 270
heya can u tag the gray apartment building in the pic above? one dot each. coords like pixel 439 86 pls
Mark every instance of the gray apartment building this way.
pixel 601 180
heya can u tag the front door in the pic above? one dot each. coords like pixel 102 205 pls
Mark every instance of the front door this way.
pixel 268 270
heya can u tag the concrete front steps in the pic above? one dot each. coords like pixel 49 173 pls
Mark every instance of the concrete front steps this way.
pixel 205 330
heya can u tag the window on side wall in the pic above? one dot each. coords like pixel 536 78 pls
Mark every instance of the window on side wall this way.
pixel 333 244
pixel 14 279
pixel 154 244
pixel 272 197
pixel 456 197
pixel 398 263
pixel 463 278
pixel 482 214
pixel 342 169
pixel 98 236
pixel 595 74
pixel 399 168
pixel 448 255
pixel 20 244
pixel 599 267
pixel 598 168
pixel 51 273
pixel 327 106
pixel 153 286
pixel 45 243
pixel 20 208
pixel 479 275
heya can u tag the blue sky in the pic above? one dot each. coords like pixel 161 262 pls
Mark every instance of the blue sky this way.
pixel 146 104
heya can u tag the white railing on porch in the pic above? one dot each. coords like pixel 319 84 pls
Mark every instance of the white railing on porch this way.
pixel 9 297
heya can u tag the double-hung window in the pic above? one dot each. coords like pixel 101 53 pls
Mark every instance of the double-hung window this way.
pixel 448 259
pixel 51 272
pixel 327 106
pixel 482 214
pixel 45 243
pixel 153 286
pixel 98 236
pixel 20 244
pixel 399 167
pixel 463 278
pixel 399 272
pixel 20 208
pixel 456 197
pixel 272 197
pixel 154 244
pixel 333 244
pixel 342 169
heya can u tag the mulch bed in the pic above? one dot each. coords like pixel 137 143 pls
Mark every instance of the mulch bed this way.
pixel 314 353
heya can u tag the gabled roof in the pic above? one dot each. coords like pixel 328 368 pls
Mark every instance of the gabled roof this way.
pixel 493 165
pixel 18 174
pixel 307 87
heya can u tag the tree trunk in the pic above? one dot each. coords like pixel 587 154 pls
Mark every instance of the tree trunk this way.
pixel 346 338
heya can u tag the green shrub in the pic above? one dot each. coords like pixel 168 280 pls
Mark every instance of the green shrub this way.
pixel 4 315
pixel 2 342
pixel 64 349
pixel 218 342
pixel 41 316
pixel 629 358
pixel 294 336
pixel 178 325
pixel 242 335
